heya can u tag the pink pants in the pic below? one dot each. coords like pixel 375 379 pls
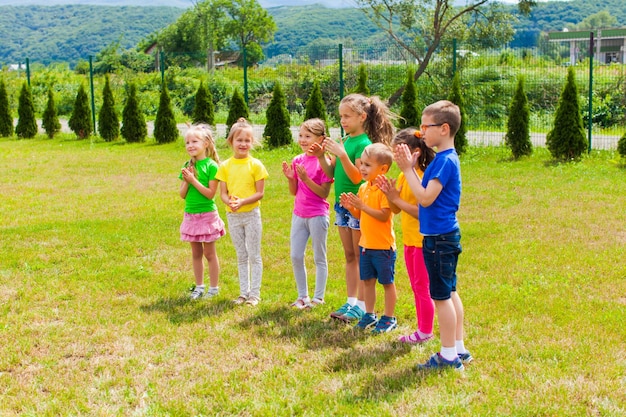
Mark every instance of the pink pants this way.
pixel 418 275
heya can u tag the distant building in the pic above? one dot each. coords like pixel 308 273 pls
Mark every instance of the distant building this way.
pixel 609 45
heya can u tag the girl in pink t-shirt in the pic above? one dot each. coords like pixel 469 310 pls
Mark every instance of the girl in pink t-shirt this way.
pixel 310 185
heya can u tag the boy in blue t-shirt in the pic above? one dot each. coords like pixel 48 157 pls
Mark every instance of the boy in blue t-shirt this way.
pixel 438 196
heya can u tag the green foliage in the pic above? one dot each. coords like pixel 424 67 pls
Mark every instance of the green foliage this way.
pixel 517 136
pixel 50 120
pixel 621 146
pixel 26 122
pixel 315 106
pixel 409 114
pixel 165 129
pixel 361 85
pixel 460 140
pixel 277 128
pixel 108 122
pixel 134 127
pixel 204 109
pixel 237 109
pixel 80 121
pixel 6 120
pixel 566 141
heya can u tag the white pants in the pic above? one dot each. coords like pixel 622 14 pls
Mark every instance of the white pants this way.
pixel 245 232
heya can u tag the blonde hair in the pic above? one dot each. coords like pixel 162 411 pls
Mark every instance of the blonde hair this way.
pixel 315 126
pixel 378 124
pixel 238 126
pixel 379 152
pixel 203 132
pixel 444 111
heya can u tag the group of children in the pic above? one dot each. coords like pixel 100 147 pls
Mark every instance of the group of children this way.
pixel 427 189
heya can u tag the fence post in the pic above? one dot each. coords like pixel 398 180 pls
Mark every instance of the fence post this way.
pixel 590 109
pixel 341 76
pixel 162 66
pixel 93 103
pixel 27 70
pixel 245 78
pixel 453 56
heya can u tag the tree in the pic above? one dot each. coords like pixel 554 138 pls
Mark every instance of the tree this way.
pixel 26 122
pixel 621 146
pixel 165 129
pixel 600 20
pixel 315 107
pixel 409 113
pixel 204 109
pixel 108 122
pixel 361 86
pixel 517 136
pixel 566 140
pixel 50 120
pixel 80 120
pixel 248 23
pixel 6 120
pixel 237 109
pixel 421 26
pixel 134 127
pixel 460 139
pixel 211 17
pixel 277 130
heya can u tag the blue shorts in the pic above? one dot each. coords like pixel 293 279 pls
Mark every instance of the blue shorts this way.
pixel 377 263
pixel 441 255
pixel 343 218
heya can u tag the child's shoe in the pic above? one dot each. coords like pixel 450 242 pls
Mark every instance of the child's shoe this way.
pixel 368 321
pixel 316 302
pixel 353 315
pixel 439 362
pixel 240 300
pixel 414 339
pixel 466 357
pixel 341 311
pixel 385 324
pixel 196 292
pixel 211 292
pixel 302 303
pixel 252 301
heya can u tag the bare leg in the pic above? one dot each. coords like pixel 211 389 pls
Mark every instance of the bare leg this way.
pixel 197 262
pixel 214 264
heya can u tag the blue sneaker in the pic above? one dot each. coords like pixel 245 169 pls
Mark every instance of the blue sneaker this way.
pixel 466 357
pixel 341 311
pixel 368 320
pixel 385 324
pixel 354 314
pixel 439 362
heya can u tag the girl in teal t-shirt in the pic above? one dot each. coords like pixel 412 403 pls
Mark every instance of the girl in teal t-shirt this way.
pixel 201 225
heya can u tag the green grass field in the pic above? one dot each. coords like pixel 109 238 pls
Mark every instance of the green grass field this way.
pixel 95 320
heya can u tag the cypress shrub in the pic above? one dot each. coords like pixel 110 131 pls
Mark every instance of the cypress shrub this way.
pixel 108 122
pixel 204 109
pixel 6 120
pixel 315 107
pixel 409 113
pixel 165 130
pixel 50 120
pixel 26 122
pixel 566 140
pixel 361 86
pixel 621 146
pixel 80 120
pixel 277 130
pixel 517 136
pixel 134 127
pixel 460 140
pixel 237 109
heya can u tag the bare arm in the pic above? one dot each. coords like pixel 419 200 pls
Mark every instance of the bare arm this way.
pixel 189 178
pixel 321 190
pixel 351 169
pixel 291 177
pixel 425 196
pixel 355 205
pixel 397 204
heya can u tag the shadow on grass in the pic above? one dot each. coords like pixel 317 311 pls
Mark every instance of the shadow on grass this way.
pixel 361 356
pixel 384 384
pixel 183 310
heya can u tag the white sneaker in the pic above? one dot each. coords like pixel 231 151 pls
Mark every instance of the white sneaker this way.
pixel 211 292
pixel 196 293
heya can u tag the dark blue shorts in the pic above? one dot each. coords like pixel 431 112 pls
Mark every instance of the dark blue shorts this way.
pixel 441 255
pixel 376 263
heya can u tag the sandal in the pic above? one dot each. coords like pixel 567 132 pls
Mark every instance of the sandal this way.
pixel 414 339
pixel 316 301
pixel 240 300
pixel 302 303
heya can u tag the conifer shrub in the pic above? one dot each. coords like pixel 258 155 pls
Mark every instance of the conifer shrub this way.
pixel 277 129
pixel 460 139
pixel 621 146
pixel 165 129
pixel 409 113
pixel 236 109
pixel 204 109
pixel 80 120
pixel 108 122
pixel 50 120
pixel 361 84
pixel 6 120
pixel 566 141
pixel 517 136
pixel 315 107
pixel 26 122
pixel 134 127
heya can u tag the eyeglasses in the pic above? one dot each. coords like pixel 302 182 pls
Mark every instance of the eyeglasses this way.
pixel 424 127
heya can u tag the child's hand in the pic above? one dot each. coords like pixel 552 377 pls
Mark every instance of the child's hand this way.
pixel 350 200
pixel 388 187
pixel 403 157
pixel 317 150
pixel 336 148
pixel 301 171
pixel 288 170
pixel 188 175
pixel 234 203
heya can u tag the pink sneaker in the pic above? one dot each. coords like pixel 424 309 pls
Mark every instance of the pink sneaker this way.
pixel 414 339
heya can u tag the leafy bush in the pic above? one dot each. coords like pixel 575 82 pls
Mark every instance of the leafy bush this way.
pixel 517 136
pixel 409 115
pixel 80 121
pixel 134 127
pixel 204 110
pixel 361 84
pixel 621 146
pixel 315 106
pixel 108 122
pixel 26 122
pixel 237 109
pixel 460 139
pixel 165 129
pixel 277 129
pixel 6 120
pixel 50 120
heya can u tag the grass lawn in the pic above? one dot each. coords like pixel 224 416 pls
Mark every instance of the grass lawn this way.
pixel 95 319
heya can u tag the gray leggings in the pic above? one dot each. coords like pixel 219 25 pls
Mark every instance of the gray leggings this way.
pixel 301 229
pixel 245 232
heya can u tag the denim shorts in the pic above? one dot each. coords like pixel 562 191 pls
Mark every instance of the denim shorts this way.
pixel 377 263
pixel 441 255
pixel 343 218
